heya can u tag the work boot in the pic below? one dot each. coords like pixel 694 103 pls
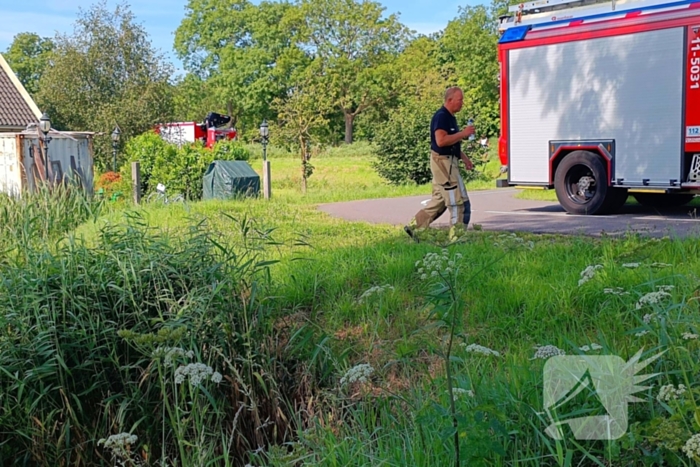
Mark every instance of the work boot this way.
pixel 411 233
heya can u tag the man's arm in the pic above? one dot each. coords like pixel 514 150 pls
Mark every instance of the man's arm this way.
pixel 443 139
pixel 467 162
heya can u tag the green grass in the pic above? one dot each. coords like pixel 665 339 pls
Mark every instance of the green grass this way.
pixel 320 319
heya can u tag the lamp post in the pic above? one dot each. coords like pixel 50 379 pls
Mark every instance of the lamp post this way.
pixel 45 127
pixel 115 142
pixel 265 138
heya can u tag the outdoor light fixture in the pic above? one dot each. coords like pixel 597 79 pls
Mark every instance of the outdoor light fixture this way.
pixel 45 124
pixel 265 138
pixel 45 127
pixel 265 135
pixel 115 143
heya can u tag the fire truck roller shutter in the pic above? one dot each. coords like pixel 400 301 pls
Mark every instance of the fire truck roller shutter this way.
pixel 623 87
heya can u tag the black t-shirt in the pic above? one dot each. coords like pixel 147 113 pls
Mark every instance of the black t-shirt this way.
pixel 444 120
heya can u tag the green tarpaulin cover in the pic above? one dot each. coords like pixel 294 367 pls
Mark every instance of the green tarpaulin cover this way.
pixel 227 179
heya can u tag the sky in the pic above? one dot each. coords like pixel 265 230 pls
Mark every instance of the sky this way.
pixel 161 17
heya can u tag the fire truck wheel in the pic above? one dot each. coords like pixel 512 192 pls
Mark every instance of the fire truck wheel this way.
pixel 659 200
pixel 580 183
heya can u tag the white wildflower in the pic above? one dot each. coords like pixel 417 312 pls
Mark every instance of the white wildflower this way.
pixel 615 291
pixel 668 392
pixel 358 373
pixel 648 317
pixel 588 348
pixel 119 444
pixel 588 274
pixel 434 274
pixel 170 354
pixel 423 277
pixel 642 333
pixel 692 447
pixel 547 351
pixel 376 290
pixel 475 348
pixel 665 288
pixel 661 265
pixel 196 372
pixel 462 392
pixel 630 265
pixel 690 336
pixel 652 298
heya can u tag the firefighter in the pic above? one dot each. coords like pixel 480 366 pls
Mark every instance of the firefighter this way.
pixel 449 192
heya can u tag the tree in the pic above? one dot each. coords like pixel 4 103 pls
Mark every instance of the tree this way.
pixel 468 49
pixel 106 74
pixel 354 49
pixel 27 56
pixel 247 56
pixel 301 116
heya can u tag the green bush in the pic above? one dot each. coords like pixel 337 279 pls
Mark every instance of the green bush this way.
pixel 403 145
pixel 180 169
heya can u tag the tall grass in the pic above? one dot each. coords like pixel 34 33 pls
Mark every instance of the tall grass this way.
pixel 44 214
pixel 93 337
pixel 335 355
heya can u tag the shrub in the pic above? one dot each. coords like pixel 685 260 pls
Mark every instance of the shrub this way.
pixel 403 145
pixel 180 169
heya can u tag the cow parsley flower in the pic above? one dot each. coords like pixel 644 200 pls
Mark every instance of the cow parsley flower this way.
pixel 668 392
pixel 690 336
pixel 642 333
pixel 661 265
pixel 615 291
pixel 665 288
pixel 588 273
pixel 119 444
pixel 358 373
pixel 546 351
pixel 376 290
pixel 652 298
pixel 196 372
pixel 462 392
pixel 630 265
pixel 588 348
pixel 475 348
pixel 170 354
pixel 692 447
pixel 434 265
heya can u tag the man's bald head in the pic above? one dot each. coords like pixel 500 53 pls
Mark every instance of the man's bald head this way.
pixel 454 99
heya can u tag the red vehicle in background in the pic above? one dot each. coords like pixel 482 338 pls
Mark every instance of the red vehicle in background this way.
pixel 208 132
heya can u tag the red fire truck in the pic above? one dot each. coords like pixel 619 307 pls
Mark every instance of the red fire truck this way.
pixel 602 100
pixel 208 132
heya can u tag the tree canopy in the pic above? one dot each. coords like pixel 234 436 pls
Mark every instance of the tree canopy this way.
pixel 256 61
pixel 106 73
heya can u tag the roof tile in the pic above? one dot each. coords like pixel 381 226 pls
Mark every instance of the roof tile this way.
pixel 14 110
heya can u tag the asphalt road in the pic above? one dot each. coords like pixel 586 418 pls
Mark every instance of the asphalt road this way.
pixel 498 210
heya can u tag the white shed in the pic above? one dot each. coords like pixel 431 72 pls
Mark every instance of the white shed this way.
pixel 22 160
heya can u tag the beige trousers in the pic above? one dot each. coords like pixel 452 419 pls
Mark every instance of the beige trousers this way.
pixel 449 193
